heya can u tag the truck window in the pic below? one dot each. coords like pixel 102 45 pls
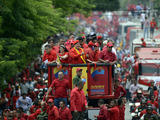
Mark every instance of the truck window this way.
pixel 120 30
pixel 149 69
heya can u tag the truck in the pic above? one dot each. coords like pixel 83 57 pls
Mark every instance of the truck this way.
pixel 98 80
pixel 123 29
pixel 147 68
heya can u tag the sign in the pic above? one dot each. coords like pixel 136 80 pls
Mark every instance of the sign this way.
pixel 98 81
pixel 84 76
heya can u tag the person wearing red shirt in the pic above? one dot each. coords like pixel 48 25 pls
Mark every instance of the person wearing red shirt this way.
pixel 61 87
pixel 78 102
pixel 34 107
pixel 77 54
pixel 103 113
pixel 15 98
pixel 21 115
pixel 153 102
pixel 143 42
pixel 49 55
pixel 153 25
pixel 52 111
pixel 96 52
pixel 64 112
pixel 119 91
pixel 63 54
pixel 90 52
pixel 145 111
pixel 121 107
pixel 82 43
pixel 39 113
pixel 113 111
pixel 107 56
pixel 156 93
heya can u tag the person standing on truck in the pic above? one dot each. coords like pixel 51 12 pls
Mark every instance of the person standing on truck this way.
pixel 103 113
pixel 78 102
pixel 61 87
pixel 107 56
pixel 77 78
pixel 143 42
pixel 77 54
pixel 49 55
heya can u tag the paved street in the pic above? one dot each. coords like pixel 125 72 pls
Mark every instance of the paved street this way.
pixel 127 113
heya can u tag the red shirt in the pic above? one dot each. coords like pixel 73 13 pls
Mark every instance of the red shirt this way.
pixel 64 60
pixel 103 113
pixel 156 94
pixel 121 112
pixel 77 100
pixel 76 57
pixel 34 108
pixel 144 112
pixel 50 57
pixel 56 48
pixel 114 113
pixel 15 98
pixel 143 44
pixel 65 114
pixel 38 86
pixel 61 87
pixel 155 103
pixel 96 55
pixel 90 53
pixel 119 91
pixel 85 46
pixel 105 55
pixel 153 24
pixel 34 115
pixel 53 113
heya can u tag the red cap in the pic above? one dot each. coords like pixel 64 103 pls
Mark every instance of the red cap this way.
pixel 75 42
pixel 99 37
pixel 50 100
pixel 96 44
pixel 142 38
pixel 90 44
pixel 83 37
pixel 78 69
pixel 109 44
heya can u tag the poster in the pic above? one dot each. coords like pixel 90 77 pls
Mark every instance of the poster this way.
pixel 98 81
pixel 84 76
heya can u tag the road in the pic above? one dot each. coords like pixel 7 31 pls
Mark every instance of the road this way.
pixel 127 113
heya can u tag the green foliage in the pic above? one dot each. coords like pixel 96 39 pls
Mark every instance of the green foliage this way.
pixel 25 24
pixel 73 6
pixel 109 5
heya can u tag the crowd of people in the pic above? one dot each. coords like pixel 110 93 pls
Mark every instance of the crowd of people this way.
pixel 30 97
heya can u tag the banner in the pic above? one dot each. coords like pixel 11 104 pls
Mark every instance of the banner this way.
pixel 98 81
pixel 56 70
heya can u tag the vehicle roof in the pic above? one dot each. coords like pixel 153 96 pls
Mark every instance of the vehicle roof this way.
pixel 149 53
pixel 148 41
pixel 130 23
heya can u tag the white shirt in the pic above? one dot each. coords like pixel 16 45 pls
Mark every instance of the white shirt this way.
pixel 133 88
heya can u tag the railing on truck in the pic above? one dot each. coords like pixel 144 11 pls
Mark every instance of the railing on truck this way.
pixel 98 84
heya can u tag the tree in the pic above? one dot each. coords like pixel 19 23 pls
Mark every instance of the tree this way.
pixel 103 5
pixel 24 25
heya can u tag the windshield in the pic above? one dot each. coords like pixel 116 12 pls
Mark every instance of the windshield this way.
pixel 120 29
pixel 149 69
